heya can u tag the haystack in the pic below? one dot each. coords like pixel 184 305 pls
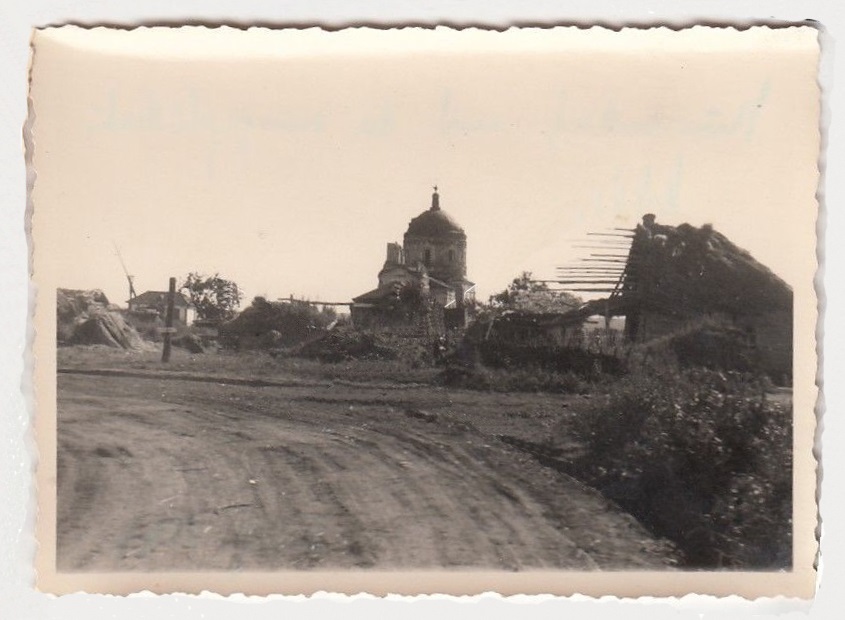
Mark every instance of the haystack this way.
pixel 108 328
pixel 86 317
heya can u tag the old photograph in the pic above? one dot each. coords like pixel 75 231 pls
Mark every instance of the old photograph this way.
pixel 406 309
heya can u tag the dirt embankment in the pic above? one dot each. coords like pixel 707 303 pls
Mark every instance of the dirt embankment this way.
pixel 156 475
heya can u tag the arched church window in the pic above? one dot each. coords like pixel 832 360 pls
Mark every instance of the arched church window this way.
pixel 427 258
pixel 451 256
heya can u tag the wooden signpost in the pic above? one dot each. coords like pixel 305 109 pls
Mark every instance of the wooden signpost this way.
pixel 168 321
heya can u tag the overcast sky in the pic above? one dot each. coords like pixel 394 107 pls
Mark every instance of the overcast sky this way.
pixel 286 161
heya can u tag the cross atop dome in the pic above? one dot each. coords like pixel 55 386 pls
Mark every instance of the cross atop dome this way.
pixel 435 200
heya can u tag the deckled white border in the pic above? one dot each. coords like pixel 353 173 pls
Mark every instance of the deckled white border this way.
pixel 374 582
pixel 16 597
pixel 798 583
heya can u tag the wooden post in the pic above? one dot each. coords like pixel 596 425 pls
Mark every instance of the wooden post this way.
pixel 168 320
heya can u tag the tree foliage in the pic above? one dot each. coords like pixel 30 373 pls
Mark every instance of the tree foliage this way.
pixel 526 294
pixel 214 297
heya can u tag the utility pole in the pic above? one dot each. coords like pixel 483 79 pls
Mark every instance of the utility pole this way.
pixel 168 321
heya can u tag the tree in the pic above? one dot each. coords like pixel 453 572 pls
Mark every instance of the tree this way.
pixel 520 286
pixel 215 298
pixel 523 293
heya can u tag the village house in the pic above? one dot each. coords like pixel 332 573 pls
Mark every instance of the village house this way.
pixel 427 271
pixel 153 304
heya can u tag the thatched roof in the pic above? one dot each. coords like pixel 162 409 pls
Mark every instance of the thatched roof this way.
pixel 686 270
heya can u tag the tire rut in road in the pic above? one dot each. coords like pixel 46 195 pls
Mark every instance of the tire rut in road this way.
pixel 351 541
pixel 260 482
pixel 466 483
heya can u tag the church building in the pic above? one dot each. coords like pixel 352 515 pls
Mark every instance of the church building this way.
pixel 428 270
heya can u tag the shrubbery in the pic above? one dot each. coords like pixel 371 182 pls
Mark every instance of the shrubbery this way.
pixel 515 367
pixel 547 358
pixel 266 325
pixel 710 342
pixel 345 344
pixel 702 458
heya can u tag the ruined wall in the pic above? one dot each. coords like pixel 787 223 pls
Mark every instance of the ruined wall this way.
pixel 655 324
pixel 772 336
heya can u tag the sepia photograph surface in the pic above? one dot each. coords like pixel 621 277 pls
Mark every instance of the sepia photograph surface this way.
pixel 425 310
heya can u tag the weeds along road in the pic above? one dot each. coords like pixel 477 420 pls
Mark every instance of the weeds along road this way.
pixel 174 474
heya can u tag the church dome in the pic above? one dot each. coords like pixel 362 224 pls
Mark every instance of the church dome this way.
pixel 433 223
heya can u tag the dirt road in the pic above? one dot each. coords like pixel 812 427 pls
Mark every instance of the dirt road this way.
pixel 171 474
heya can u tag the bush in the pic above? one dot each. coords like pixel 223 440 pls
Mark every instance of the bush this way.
pixel 536 358
pixel 346 343
pixel 702 458
pixel 273 324
pixel 190 342
pixel 709 342
pixel 510 367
